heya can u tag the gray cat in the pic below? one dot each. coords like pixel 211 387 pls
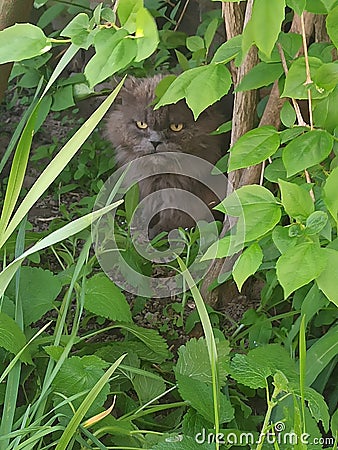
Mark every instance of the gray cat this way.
pixel 137 131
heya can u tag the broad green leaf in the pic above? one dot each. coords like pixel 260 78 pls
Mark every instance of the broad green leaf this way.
pixel 104 298
pixel 317 406
pixel 22 41
pixel 316 222
pixel 282 239
pixel 147 388
pixel 194 362
pixel 306 151
pixel 210 32
pixel 200 396
pixel 228 51
pixel 325 112
pixel 297 5
pixel 257 208
pixel 247 264
pixel 288 115
pixel 295 80
pixel 320 354
pixel 330 194
pixel 300 265
pixel 332 25
pixel 247 372
pixel 316 6
pixel 254 147
pixel 327 76
pixel 194 43
pixel 265 12
pixel 296 200
pixel 292 133
pixel 327 280
pixel 188 85
pixel 79 375
pixel 146 35
pixel 114 51
pixel 262 74
pixel 12 338
pixel 63 98
pixel 127 11
pixel 78 31
pixel 38 289
pixel 226 246
pixel 275 171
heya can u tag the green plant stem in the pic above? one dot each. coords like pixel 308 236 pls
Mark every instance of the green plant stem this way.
pixel 271 404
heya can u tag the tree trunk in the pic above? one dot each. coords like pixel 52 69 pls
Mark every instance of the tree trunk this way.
pixel 11 12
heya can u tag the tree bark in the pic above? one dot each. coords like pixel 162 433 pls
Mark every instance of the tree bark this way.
pixel 11 12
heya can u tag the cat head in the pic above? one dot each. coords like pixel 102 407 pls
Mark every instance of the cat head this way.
pixel 136 129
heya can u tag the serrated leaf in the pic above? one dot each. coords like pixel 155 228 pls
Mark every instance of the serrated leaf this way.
pixel 260 75
pixel 22 41
pixel 228 51
pixel 330 194
pixel 147 388
pixel 265 12
pixel 38 290
pixel 146 34
pixel 247 264
pixel 114 51
pixel 327 280
pixel 306 151
pixel 104 298
pixel 246 372
pixel 12 338
pixel 331 25
pixel 296 200
pixel 295 86
pixel 300 265
pixel 317 406
pixel 188 86
pixel 254 147
pixel 200 397
pixel 80 375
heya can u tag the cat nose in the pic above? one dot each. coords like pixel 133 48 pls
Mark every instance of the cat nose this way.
pixel 156 143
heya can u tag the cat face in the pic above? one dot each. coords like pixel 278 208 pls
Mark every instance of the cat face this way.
pixel 136 129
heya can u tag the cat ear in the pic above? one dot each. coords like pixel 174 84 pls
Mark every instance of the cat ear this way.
pixel 127 91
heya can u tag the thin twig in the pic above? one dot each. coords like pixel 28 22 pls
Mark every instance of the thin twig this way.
pixel 182 15
pixel 308 81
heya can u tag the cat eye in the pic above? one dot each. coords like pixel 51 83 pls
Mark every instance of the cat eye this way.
pixel 141 125
pixel 176 127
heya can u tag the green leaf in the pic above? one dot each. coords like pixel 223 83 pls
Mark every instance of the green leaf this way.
pixel 22 41
pixel 63 98
pixel 131 200
pixel 325 112
pixel 288 115
pixel 114 51
pixel 327 280
pixel 306 151
pixel 105 299
pixel 188 86
pixel 326 76
pixel 200 396
pixel 316 222
pixel 317 406
pixel 194 43
pixel 147 388
pixel 275 171
pixel 254 147
pixel 319 355
pixel 228 51
pixel 297 5
pixel 330 194
pixel 127 11
pixel 299 265
pixel 296 200
pixel 282 239
pixel 247 264
pixel 257 208
pixel 247 372
pixel 146 34
pixel 226 246
pixel 194 361
pixel 262 74
pixel 12 338
pixel 78 31
pixel 38 289
pixel 295 80
pixel 332 25
pixel 177 442
pixel 265 12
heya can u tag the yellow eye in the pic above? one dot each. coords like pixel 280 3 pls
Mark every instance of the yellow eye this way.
pixel 176 127
pixel 141 125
